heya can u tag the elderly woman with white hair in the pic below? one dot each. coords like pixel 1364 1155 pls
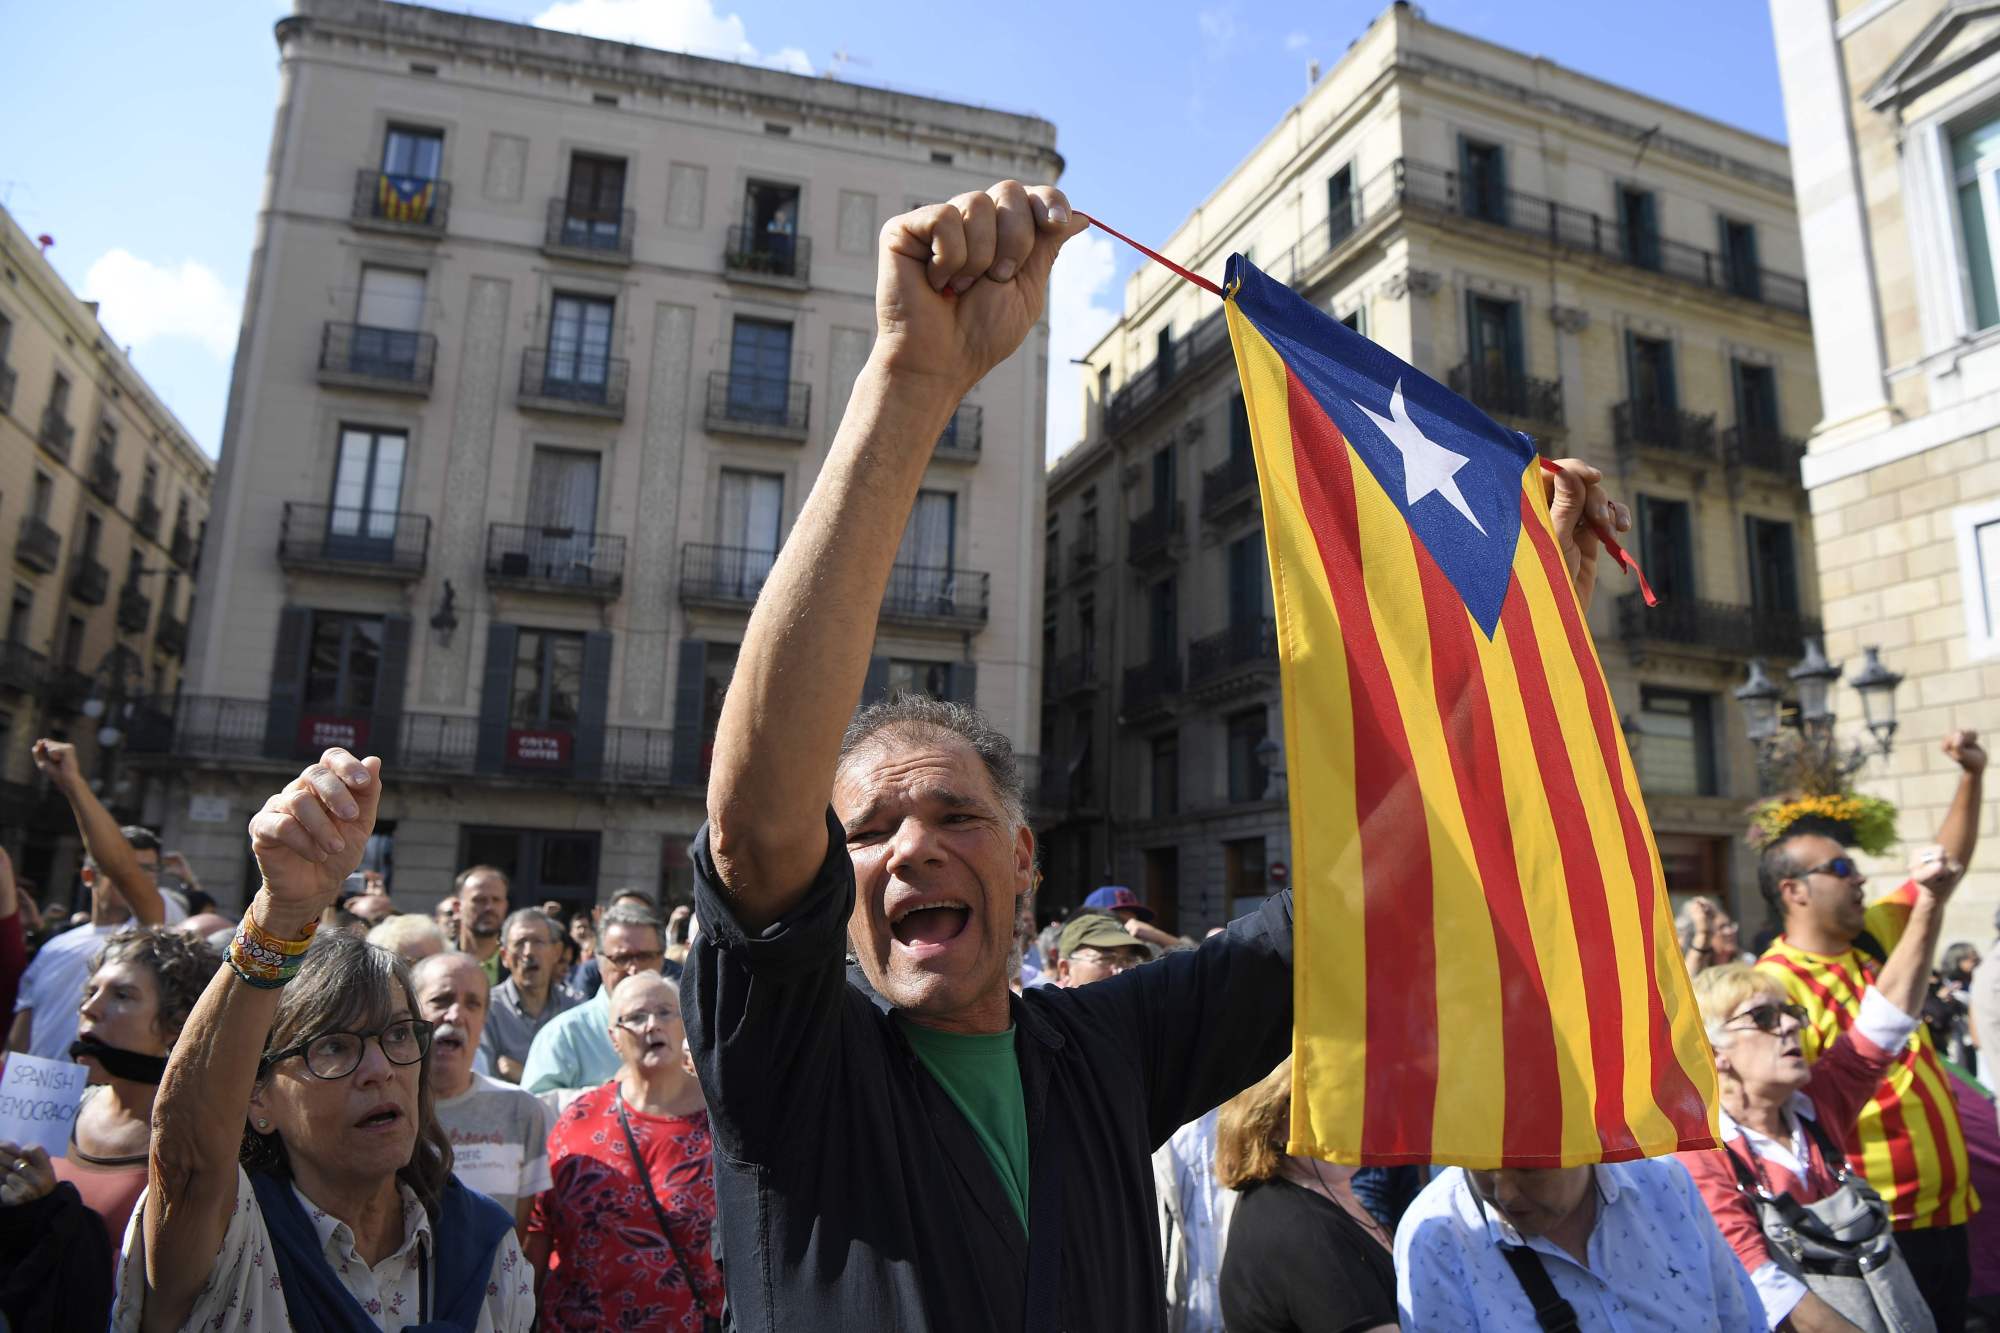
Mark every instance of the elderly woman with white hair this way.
pixel 299 1178
pixel 1814 1237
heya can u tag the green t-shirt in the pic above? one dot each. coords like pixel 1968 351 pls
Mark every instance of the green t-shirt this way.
pixel 983 1077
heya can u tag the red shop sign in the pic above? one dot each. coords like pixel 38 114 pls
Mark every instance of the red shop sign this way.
pixel 538 749
pixel 320 732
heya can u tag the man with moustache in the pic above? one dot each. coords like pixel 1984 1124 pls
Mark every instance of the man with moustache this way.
pixel 482 905
pixel 531 995
pixel 499 1134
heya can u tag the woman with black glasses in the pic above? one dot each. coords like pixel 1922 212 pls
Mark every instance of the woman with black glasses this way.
pixel 1814 1237
pixel 299 1178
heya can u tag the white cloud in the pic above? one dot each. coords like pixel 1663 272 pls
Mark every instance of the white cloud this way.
pixel 692 26
pixel 1082 305
pixel 141 302
pixel 1218 31
pixel 1297 41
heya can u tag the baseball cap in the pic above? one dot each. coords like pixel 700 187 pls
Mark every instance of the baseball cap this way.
pixel 1094 930
pixel 1113 897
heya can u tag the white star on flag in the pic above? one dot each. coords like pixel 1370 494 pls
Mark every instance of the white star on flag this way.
pixel 1427 465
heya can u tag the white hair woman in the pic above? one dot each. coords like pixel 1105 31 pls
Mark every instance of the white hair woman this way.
pixel 299 1177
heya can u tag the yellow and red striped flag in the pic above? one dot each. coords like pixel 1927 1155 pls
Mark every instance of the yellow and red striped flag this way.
pixel 1486 971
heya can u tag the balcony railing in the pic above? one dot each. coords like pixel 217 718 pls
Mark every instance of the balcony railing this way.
pixel 410 204
pixel 586 564
pixel 135 609
pixel 1151 684
pixel 1504 394
pixel 1252 644
pixel 1152 534
pixel 1083 553
pixel 1636 424
pixel 755 253
pixel 930 594
pixel 104 477
pixel 1205 344
pixel 22 669
pixel 67 689
pixel 1763 448
pixel 391 360
pixel 8 379
pixel 56 434
pixel 601 235
pixel 1228 484
pixel 724 575
pixel 1725 628
pixel 170 636
pixel 89 581
pixel 756 405
pixel 341 540
pixel 566 380
pixel 38 546
pixel 181 549
pixel 146 516
pixel 1072 673
pixel 961 438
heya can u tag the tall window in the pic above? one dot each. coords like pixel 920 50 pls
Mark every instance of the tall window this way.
pixel 1482 180
pixel 19 613
pixel 1340 201
pixel 1494 341
pixel 1652 373
pixel 1247 776
pixel 170 595
pixel 1975 163
pixel 562 512
pixel 748 524
pixel 1677 752
pixel 1740 267
pixel 43 499
pixel 1166 775
pixel 594 211
pixel 718 665
pixel 1249 597
pixel 343 663
pixel 367 487
pixel 1756 398
pixel 1162 621
pixel 770 226
pixel 71 655
pixel 911 676
pixel 1163 352
pixel 149 484
pixel 548 678
pixel 387 314
pixel 93 535
pixel 59 396
pixel 1163 478
pixel 760 369
pixel 1774 568
pixel 412 152
pixel 579 358
pixel 1086 625
pixel 923 577
pixel 1667 546
pixel 1638 227
pixel 6 337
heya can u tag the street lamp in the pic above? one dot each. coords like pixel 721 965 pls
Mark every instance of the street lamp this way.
pixel 1811 757
pixel 1268 753
pixel 1876 685
pixel 1815 678
pixel 1760 698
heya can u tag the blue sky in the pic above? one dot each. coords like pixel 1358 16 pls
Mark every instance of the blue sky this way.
pixel 138 130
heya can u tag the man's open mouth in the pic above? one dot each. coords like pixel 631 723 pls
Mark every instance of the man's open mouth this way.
pixel 924 926
pixel 448 1039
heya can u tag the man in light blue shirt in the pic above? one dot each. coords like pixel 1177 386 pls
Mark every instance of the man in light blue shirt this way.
pixel 1630 1246
pixel 574 1049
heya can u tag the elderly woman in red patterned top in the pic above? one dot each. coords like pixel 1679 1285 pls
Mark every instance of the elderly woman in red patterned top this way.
pixel 622 1238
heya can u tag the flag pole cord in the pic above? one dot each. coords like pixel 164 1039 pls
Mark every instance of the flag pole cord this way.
pixel 1603 530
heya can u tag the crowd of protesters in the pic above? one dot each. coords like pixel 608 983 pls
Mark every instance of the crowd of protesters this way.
pixel 861 1082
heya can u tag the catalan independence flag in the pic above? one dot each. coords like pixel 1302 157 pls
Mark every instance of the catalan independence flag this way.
pixel 404 198
pixel 1486 972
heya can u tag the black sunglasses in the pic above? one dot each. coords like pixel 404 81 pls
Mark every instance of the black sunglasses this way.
pixel 1840 867
pixel 1768 1017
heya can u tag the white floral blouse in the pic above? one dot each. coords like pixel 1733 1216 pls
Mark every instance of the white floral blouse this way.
pixel 244 1292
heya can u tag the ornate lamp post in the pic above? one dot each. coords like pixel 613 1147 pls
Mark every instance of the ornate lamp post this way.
pixel 1810 754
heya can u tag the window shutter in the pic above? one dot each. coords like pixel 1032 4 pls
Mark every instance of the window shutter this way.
pixel 288 669
pixel 496 695
pixel 1516 350
pixel 385 728
pixel 962 679
pixel 875 685
pixel 690 685
pixel 587 754
pixel 1670 391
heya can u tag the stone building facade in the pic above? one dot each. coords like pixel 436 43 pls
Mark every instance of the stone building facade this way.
pixel 1614 275
pixel 545 339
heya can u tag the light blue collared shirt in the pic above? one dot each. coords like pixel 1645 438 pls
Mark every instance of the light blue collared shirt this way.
pixel 1657 1262
pixel 573 1050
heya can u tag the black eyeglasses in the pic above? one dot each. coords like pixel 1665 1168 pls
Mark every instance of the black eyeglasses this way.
pixel 1840 867
pixel 1770 1017
pixel 333 1055
pixel 638 960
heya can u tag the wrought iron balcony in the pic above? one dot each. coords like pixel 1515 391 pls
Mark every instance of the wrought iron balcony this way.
pixel 768 256
pixel 9 378
pixel 723 575
pixel 560 560
pixel 1154 535
pixel 67 689
pixel 411 205
pixel 22 669
pixel 56 434
pixel 146 516
pixel 89 581
pixel 934 595
pixel 135 609
pixel 1725 629
pixel 38 546
pixel 600 235
pixel 1521 397
pixel 181 549
pixel 740 404
pixel 170 636
pixel 1637 424
pixel 1763 448
pixel 1072 673
pixel 361 356
pixel 104 477
pixel 961 436
pixel 1250 646
pixel 333 539
pixel 1151 685
pixel 1205 344
pixel 1083 554
pixel 565 380
pixel 1229 486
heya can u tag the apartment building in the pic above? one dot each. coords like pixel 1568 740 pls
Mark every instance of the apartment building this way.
pixel 1893 110
pixel 102 497
pixel 546 339
pixel 1614 275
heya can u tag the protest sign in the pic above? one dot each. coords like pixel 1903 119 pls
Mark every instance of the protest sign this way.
pixel 38 1101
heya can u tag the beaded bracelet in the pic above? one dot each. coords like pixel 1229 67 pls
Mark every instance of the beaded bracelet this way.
pixel 264 960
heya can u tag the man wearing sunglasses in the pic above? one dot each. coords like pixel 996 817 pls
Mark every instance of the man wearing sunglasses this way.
pixel 1908 1141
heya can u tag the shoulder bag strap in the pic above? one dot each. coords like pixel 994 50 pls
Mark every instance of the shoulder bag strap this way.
pixel 659 1213
pixel 1835 1155
pixel 1552 1312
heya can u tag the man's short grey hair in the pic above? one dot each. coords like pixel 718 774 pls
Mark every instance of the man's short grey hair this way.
pixel 625 914
pixel 921 717
pixel 534 915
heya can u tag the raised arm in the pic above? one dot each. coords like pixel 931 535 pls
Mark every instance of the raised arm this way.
pixel 958 286
pixel 307 839
pixel 1959 834
pixel 1906 975
pixel 103 842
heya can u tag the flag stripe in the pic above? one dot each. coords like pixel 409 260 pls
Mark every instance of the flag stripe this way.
pixel 1674 1092
pixel 1400 1093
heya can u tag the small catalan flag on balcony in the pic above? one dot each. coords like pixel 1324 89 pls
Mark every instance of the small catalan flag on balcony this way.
pixel 404 198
